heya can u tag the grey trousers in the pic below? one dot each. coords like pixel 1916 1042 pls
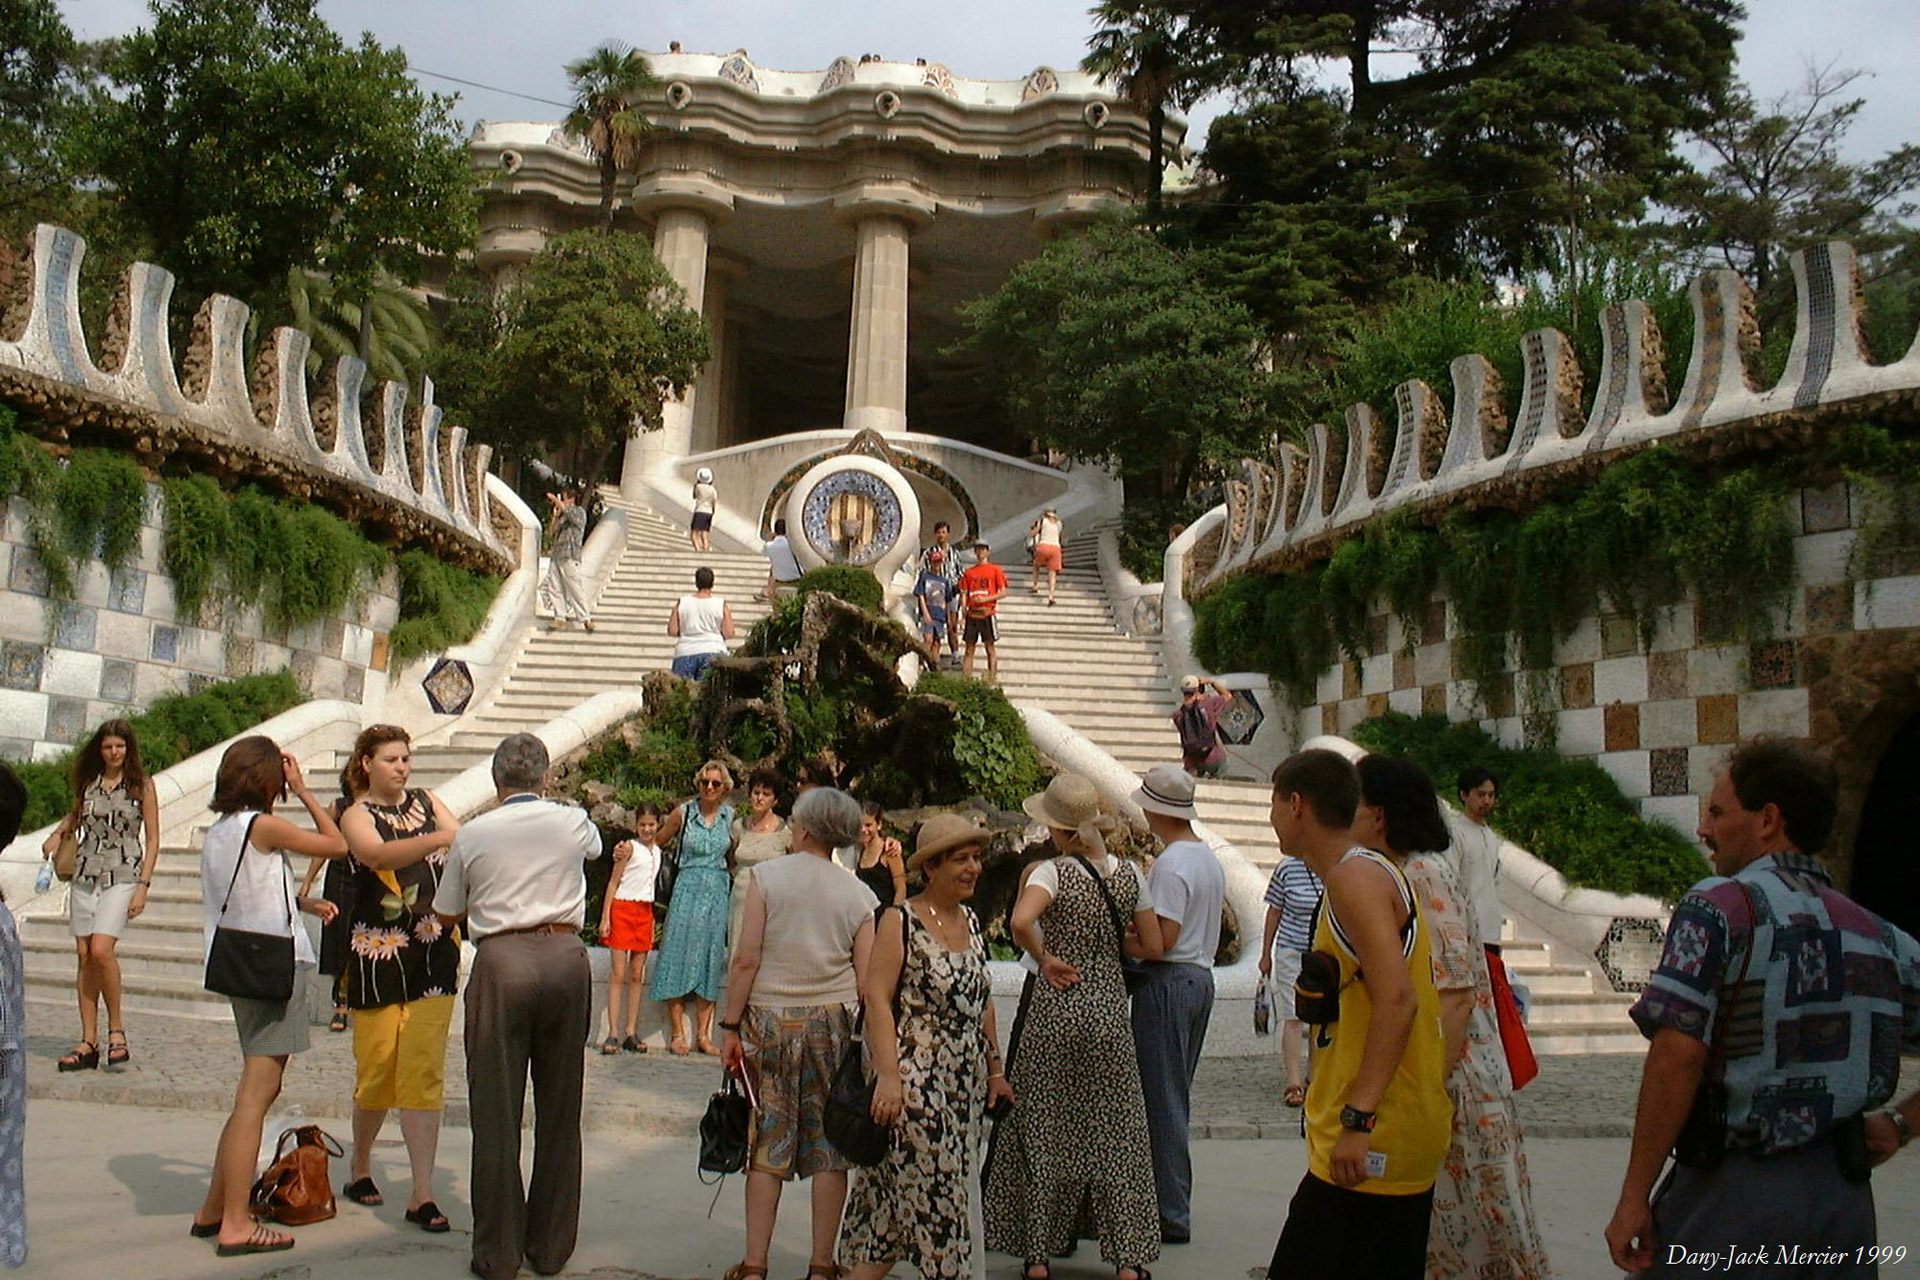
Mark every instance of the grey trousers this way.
pixel 1749 1216
pixel 1170 1015
pixel 562 590
pixel 529 1006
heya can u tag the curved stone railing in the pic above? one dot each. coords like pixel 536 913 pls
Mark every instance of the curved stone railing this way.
pixel 405 472
pixel 1305 500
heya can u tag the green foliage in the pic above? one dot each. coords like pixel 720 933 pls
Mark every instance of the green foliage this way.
pixel 857 586
pixel 990 746
pixel 1639 537
pixel 779 631
pixel 1147 525
pixel 169 731
pixel 1569 814
pixel 441 605
pixel 299 563
pixel 247 138
pixel 605 83
pixel 37 91
pixel 87 508
pixel 396 327
pixel 660 765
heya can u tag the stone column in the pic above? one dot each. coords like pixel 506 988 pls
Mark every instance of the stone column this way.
pixel 680 242
pixel 709 394
pixel 877 345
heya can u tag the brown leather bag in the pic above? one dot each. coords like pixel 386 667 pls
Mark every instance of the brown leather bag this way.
pixel 66 856
pixel 297 1187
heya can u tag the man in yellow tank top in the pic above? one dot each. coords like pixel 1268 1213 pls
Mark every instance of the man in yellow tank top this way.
pixel 1378 1116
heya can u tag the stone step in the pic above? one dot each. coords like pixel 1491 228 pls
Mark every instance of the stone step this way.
pixel 140 992
pixel 1562 1039
pixel 1580 1008
pixel 149 953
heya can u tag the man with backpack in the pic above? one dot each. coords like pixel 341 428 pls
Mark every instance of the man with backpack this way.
pixel 1197 721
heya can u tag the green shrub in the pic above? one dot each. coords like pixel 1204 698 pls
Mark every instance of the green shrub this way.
pixel 169 731
pixel 856 586
pixel 990 747
pixel 441 605
pixel 1570 814
pixel 88 508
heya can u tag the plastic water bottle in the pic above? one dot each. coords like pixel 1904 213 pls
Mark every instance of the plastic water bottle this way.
pixel 277 1123
pixel 44 881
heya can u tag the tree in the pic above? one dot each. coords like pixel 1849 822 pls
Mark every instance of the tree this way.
pixel 36 90
pixel 1778 182
pixel 1140 49
pixel 605 83
pixel 584 349
pixel 1110 347
pixel 248 139
pixel 391 329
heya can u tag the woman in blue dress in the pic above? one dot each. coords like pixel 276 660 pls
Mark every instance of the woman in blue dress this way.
pixel 692 959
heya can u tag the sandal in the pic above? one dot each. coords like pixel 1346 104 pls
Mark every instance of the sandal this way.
pixel 741 1271
pixel 678 1047
pixel 634 1044
pixel 261 1241
pixel 609 1047
pixel 711 1049
pixel 118 1055
pixel 203 1230
pixel 362 1191
pixel 429 1218
pixel 81 1059
pixel 1296 1095
pixel 339 1022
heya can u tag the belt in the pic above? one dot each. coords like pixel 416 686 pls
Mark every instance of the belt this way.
pixel 552 926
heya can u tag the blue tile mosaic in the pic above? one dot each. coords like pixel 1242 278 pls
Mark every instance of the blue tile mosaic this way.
pixel 166 643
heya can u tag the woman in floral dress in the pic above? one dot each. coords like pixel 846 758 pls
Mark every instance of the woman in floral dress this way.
pixel 692 960
pixel 1483 1224
pixel 933 1064
pixel 402 966
pixel 1073 1160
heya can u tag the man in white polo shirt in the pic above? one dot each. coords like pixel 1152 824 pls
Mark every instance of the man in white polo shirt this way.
pixel 1170 1013
pixel 516 874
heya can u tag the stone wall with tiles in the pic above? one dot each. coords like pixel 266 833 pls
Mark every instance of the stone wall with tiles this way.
pixel 119 645
pixel 1660 717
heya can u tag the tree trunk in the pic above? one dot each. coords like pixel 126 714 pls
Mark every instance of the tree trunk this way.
pixel 609 175
pixel 1360 70
pixel 1156 158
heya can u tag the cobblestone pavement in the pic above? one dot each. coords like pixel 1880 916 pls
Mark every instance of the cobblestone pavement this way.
pixel 191 1064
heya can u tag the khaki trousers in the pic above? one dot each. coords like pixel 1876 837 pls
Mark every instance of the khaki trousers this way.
pixel 562 591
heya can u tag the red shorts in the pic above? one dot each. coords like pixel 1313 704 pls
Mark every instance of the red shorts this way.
pixel 1046 556
pixel 632 926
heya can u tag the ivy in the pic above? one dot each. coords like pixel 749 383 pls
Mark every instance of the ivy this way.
pixel 88 507
pixel 990 746
pixel 441 605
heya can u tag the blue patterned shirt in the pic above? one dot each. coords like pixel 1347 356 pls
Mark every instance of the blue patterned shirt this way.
pixel 1813 1035
pixel 1295 891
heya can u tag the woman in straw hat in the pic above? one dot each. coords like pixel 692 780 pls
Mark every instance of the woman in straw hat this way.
pixel 1074 1161
pixel 936 1061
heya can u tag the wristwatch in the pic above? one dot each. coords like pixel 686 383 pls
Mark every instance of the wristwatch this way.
pixel 730 1026
pixel 1355 1120
pixel 1900 1124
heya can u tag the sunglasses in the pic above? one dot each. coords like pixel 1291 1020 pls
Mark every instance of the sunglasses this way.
pixel 705 783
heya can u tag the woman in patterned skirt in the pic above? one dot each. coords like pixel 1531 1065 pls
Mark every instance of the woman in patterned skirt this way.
pixel 1483 1224
pixel 402 965
pixel 692 960
pixel 932 1066
pixel 1073 1161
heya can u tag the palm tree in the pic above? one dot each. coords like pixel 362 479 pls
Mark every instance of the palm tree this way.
pixel 605 82
pixel 1138 48
pixel 392 331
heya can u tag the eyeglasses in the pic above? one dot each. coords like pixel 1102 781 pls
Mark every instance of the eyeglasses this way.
pixel 704 783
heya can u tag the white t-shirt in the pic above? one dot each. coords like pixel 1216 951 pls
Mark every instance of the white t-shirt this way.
pixel 1189 887
pixel 1049 532
pixel 264 898
pixel 704 498
pixel 1476 856
pixel 700 619
pixel 519 866
pixel 636 882
pixel 1047 875
pixel 779 553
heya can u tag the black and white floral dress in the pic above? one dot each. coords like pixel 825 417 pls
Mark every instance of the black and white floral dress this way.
pixel 920 1204
pixel 397 948
pixel 1073 1162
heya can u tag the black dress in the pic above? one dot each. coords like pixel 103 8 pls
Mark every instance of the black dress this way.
pixel 397 949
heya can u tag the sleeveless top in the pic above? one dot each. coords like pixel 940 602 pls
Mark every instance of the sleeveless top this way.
pixel 1415 1124
pixel 397 949
pixel 262 899
pixel 112 834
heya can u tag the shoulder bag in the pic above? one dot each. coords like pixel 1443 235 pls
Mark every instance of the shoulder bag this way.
pixel 66 855
pixel 248 965
pixel 1132 972
pixel 669 869
pixel 848 1123
pixel 1702 1143
pixel 297 1187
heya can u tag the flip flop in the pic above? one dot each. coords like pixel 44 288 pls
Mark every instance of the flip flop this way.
pixel 261 1241
pixel 609 1046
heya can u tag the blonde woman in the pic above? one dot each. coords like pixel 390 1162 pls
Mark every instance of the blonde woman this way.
pixel 692 961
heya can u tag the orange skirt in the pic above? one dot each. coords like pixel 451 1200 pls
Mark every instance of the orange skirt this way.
pixel 1047 556
pixel 632 926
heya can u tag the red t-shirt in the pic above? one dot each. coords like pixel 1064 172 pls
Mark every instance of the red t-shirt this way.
pixel 982 580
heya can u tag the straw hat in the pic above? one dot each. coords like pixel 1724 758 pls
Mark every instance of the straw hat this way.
pixel 1071 803
pixel 942 833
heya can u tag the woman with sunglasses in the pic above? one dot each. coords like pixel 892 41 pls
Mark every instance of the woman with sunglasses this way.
pixel 692 961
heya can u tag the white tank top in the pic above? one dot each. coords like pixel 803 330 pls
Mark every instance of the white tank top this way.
pixel 700 618
pixel 263 899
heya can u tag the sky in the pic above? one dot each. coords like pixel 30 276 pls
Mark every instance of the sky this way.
pixel 511 45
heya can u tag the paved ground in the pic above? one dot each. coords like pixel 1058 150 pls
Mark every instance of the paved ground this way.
pixel 181 1063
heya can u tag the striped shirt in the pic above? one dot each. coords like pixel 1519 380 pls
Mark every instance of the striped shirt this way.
pixel 1295 892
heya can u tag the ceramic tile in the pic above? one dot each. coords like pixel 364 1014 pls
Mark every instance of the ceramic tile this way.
pixel 1829 608
pixel 26 574
pixel 67 720
pixel 1433 699
pixel 382 650
pixel 1667 674
pixel 1631 769
pixel 355 684
pixel 1431 663
pixel 23 715
pixel 1825 510
pixel 1376 705
pixel 20 663
pixel 1405 701
pixel 1716 670
pixel 1349 679
pixel 1772 665
pixel 1718 718
pixel 1376 634
pixel 1670 722
pixel 1403 671
pixel 1576 686
pixel 1667 769
pixel 166 643
pixel 1582 733
pixel 1620 680
pixel 1618 636
pixel 117 681
pixel 1329 717
pixel 72 674
pixel 1779 713
pixel 1433 622
pixel 239 657
pixel 75 627
pixel 1622 726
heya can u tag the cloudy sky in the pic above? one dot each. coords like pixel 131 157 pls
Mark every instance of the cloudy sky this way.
pixel 518 47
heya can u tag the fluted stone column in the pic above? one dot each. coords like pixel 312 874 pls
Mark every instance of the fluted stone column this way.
pixel 877 345
pixel 680 235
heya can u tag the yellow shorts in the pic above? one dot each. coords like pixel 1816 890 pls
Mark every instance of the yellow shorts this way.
pixel 401 1054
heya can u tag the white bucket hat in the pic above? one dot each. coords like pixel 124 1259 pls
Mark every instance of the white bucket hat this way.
pixel 703 476
pixel 1168 791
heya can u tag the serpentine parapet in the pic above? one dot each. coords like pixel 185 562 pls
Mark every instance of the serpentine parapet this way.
pixel 1299 506
pixel 406 475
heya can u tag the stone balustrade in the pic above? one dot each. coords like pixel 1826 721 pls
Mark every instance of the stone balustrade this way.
pixel 1297 506
pixel 407 475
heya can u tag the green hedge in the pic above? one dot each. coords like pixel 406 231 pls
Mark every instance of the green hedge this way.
pixel 991 749
pixel 169 731
pixel 1570 814
pixel 856 586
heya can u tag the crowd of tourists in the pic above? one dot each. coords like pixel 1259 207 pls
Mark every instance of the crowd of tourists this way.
pixel 793 937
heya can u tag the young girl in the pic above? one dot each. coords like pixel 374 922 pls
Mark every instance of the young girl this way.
pixel 626 926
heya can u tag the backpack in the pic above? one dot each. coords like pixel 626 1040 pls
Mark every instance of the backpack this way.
pixel 1198 734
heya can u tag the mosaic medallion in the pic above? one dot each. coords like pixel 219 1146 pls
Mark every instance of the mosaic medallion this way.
pixel 851 517
pixel 449 687
pixel 1241 718
pixel 1630 951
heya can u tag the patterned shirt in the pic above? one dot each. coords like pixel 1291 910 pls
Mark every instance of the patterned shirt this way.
pixel 569 534
pixel 1295 892
pixel 1813 1034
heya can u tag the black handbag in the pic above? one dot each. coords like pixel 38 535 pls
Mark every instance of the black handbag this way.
pixel 849 1122
pixel 669 869
pixel 248 965
pixel 1702 1141
pixel 1132 972
pixel 723 1130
